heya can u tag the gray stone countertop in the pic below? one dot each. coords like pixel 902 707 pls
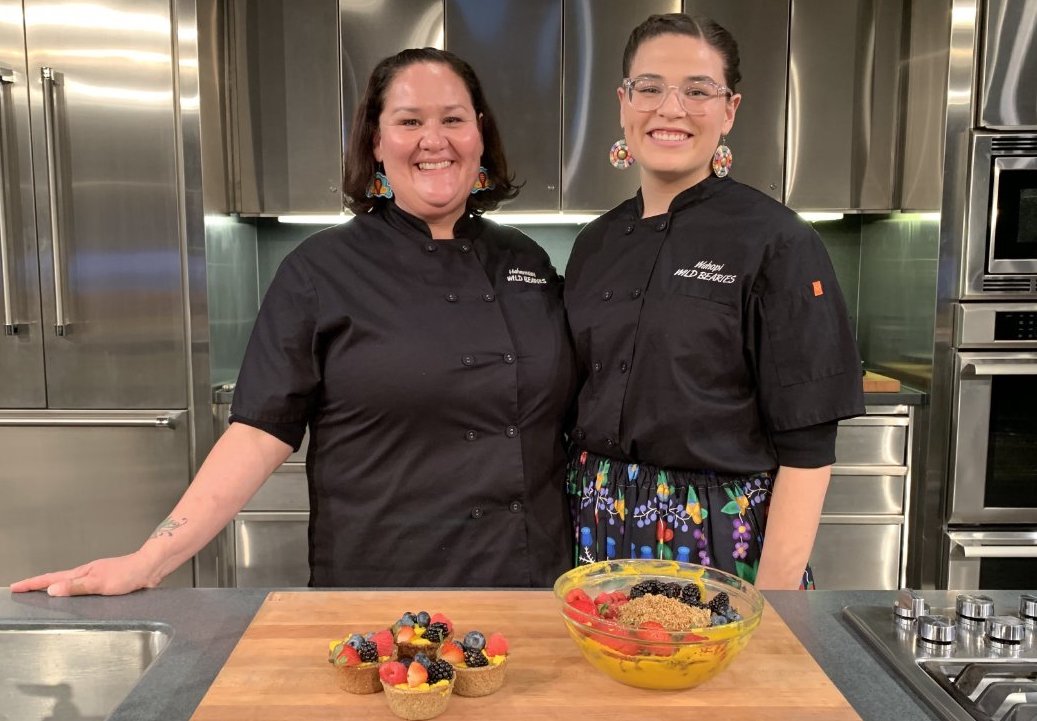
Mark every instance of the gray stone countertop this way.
pixel 208 622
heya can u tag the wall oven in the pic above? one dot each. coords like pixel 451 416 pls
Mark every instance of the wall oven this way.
pixel 1001 238
pixel 992 502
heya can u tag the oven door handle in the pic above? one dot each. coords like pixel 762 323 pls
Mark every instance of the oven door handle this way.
pixel 1008 367
pixel 999 551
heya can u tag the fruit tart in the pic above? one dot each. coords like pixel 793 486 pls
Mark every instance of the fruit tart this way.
pixel 417 688
pixel 478 661
pixel 420 632
pixel 357 658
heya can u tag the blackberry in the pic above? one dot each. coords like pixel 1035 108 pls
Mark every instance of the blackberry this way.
pixel 671 590
pixel 440 671
pixel 368 651
pixel 690 594
pixel 651 586
pixel 436 632
pixel 474 658
pixel 719 603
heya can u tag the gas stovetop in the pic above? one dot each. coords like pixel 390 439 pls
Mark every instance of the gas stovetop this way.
pixel 972 656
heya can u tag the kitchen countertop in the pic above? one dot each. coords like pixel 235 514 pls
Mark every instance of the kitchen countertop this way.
pixel 906 396
pixel 208 622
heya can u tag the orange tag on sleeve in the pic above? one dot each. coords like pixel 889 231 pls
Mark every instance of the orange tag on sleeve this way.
pixel 818 290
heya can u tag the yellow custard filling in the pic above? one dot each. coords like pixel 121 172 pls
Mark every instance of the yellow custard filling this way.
pixel 421 686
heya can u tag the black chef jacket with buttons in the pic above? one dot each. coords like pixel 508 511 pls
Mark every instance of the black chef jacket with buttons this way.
pixel 434 377
pixel 705 332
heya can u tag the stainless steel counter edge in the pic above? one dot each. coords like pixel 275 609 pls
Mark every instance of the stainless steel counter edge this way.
pixel 208 622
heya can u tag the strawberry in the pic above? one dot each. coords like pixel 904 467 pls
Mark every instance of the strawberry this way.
pixel 619 598
pixel 627 648
pixel 452 653
pixel 383 640
pixel 406 634
pixel 656 637
pixel 496 645
pixel 416 674
pixel 347 657
pixel 602 598
pixel 393 673
pixel 441 618
pixel 692 638
pixel 576 594
pixel 583 606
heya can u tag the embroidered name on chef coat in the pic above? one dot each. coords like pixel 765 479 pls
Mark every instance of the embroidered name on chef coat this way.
pixel 707 270
pixel 517 275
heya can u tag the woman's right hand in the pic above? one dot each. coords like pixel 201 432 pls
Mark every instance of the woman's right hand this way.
pixel 103 577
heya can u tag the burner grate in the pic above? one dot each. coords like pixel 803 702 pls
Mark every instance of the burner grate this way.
pixel 989 691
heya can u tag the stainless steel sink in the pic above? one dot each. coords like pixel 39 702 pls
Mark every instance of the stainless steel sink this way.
pixel 73 671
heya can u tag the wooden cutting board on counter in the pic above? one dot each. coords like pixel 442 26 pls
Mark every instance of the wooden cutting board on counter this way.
pixel 279 669
pixel 875 383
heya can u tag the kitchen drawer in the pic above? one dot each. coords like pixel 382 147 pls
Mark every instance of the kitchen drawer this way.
pixel 853 492
pixel 271 550
pixel 856 555
pixel 285 490
pixel 872 440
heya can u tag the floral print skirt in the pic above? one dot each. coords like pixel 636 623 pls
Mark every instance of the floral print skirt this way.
pixel 629 510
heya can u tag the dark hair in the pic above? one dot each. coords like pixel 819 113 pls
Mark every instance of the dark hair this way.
pixel 360 164
pixel 696 27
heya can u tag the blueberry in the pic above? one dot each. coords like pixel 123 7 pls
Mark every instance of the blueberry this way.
pixel 407 619
pixel 733 615
pixel 422 659
pixel 718 620
pixel 474 639
pixel 355 640
pixel 422 618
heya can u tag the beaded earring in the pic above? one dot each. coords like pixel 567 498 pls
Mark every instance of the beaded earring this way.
pixel 722 159
pixel 379 186
pixel 619 155
pixel 482 181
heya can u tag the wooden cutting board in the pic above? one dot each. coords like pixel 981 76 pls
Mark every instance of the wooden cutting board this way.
pixel 279 669
pixel 875 383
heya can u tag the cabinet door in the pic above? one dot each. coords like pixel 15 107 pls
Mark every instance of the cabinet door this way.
pixel 757 140
pixel 84 485
pixel 21 332
pixel 594 35
pixel 856 556
pixel 108 215
pixel 271 550
pixel 525 94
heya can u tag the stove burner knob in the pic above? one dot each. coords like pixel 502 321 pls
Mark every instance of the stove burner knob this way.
pixel 909 605
pixel 1028 607
pixel 936 629
pixel 1005 629
pixel 974 607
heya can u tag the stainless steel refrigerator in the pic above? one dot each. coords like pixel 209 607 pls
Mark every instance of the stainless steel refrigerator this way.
pixel 95 373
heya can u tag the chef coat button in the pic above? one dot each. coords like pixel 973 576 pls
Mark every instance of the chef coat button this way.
pixel 476 512
pixel 489 297
pixel 465 248
pixel 431 247
pixel 623 366
pixel 611 443
pixel 635 293
pixel 511 431
pixel 468 360
pixel 579 434
pixel 451 297
pixel 661 225
pixel 470 435
pixel 629 229
pixel 509 358
pixel 605 295
pixel 515 506
pixel 597 365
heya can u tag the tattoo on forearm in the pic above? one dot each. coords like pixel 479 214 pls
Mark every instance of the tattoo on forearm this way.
pixel 167 527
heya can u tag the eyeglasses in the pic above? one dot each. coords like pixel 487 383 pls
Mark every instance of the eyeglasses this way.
pixel 647 94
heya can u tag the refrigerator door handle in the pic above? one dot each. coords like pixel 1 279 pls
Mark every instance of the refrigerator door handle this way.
pixel 50 79
pixel 168 420
pixel 10 326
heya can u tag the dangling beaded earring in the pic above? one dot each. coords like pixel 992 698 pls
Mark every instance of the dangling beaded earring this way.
pixel 722 159
pixel 482 181
pixel 619 155
pixel 379 186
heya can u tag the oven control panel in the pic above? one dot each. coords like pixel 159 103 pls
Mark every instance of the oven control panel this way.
pixel 1015 325
pixel 991 326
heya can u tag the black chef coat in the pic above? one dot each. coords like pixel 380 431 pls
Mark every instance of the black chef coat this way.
pixel 704 332
pixel 433 376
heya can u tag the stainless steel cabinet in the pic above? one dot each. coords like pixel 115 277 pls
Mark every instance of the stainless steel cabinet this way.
pixel 92 282
pixel 861 543
pixel 270 533
pixel 758 137
pixel 515 47
pixel 843 107
pixel 86 484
